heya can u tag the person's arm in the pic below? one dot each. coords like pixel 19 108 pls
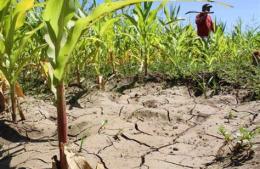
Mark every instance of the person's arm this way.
pixel 210 23
pixel 212 26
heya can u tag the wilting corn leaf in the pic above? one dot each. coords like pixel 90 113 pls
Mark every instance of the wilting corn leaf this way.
pixel 4 85
pixel 48 72
pixel 20 11
pixel 23 5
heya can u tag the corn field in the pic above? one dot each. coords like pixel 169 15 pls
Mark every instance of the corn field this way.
pixel 47 46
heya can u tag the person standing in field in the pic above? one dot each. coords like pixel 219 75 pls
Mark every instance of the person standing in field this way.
pixel 204 23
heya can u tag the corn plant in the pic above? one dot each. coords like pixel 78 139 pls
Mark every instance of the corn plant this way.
pixel 13 41
pixel 96 48
pixel 241 140
pixel 64 30
pixel 144 20
pixel 223 131
pixel 126 47
pixel 104 46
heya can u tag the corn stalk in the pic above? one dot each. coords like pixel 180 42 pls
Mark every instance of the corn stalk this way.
pixel 63 33
pixel 13 41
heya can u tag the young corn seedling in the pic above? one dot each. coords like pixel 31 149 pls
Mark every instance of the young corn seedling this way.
pixel 82 142
pixel 244 138
pixel 227 136
pixel 104 122
pixel 231 115
pixel 241 140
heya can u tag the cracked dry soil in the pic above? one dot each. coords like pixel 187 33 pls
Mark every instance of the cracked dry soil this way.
pixel 146 127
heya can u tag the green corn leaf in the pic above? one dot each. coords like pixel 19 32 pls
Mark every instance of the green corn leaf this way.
pixel 147 9
pixel 23 43
pixel 154 12
pixel 131 19
pixel 57 14
pixel 3 4
pixel 82 24
pixel 9 31
pixel 51 35
pixel 25 61
pixel 141 17
pixel 107 32
pixel 2 45
pixel 167 13
pixel 107 26
pixel 52 14
pixel 14 22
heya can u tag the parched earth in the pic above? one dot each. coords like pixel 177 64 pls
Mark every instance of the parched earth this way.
pixel 146 127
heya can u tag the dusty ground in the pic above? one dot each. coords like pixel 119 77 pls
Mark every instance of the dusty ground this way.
pixel 146 127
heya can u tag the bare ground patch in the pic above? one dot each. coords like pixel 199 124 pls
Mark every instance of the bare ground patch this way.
pixel 146 127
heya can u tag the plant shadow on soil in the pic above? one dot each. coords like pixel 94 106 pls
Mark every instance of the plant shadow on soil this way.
pixel 11 135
